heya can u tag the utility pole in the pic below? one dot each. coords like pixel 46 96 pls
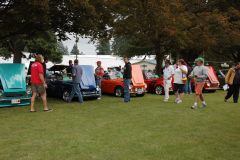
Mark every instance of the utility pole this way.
pixel 77 39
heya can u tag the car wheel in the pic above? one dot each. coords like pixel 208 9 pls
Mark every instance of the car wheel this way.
pixel 118 92
pixel 66 95
pixel 159 90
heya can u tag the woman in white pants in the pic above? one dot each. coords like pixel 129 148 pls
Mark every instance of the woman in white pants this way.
pixel 168 73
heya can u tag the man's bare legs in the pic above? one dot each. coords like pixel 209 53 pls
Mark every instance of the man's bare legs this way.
pixel 32 109
pixel 44 99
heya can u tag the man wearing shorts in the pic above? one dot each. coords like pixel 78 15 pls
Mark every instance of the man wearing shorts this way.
pixel 38 83
pixel 199 73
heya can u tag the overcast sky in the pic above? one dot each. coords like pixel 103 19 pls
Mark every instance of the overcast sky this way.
pixel 83 45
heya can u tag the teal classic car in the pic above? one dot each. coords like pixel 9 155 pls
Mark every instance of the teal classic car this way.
pixel 13 88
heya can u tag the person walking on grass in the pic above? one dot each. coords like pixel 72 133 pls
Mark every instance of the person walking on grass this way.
pixel 76 79
pixel 168 73
pixel 38 83
pixel 233 81
pixel 180 78
pixel 200 74
pixel 99 73
pixel 127 76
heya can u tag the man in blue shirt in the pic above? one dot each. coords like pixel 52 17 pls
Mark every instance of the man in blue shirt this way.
pixel 76 78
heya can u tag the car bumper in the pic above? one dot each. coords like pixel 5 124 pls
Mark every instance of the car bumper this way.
pixel 212 88
pixel 8 102
pixel 91 94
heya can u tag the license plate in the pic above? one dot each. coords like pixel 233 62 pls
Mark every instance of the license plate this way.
pixel 140 91
pixel 16 101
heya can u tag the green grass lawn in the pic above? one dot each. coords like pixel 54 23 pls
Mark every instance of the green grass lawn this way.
pixel 145 129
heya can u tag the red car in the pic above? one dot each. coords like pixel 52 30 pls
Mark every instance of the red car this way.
pixel 112 83
pixel 154 83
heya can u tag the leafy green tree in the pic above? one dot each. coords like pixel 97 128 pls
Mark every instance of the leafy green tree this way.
pixel 75 50
pixel 103 47
pixel 25 20
pixel 63 49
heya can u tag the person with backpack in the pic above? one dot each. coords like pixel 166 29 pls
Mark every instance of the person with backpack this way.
pixel 233 81
pixel 200 74
pixel 180 79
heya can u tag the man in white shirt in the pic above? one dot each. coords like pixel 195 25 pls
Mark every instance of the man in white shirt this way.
pixel 180 78
pixel 168 73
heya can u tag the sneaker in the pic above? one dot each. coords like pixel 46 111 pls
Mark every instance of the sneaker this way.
pixel 165 100
pixel 194 107
pixel 204 105
pixel 99 98
pixel 176 100
pixel 179 101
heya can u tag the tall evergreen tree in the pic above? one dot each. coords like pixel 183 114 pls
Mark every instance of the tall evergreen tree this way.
pixel 75 50
pixel 103 47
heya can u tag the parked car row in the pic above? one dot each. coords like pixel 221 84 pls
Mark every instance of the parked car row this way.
pixel 14 91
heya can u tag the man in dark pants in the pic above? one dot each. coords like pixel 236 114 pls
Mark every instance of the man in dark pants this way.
pixel 69 68
pixel 127 76
pixel 233 80
pixel 77 77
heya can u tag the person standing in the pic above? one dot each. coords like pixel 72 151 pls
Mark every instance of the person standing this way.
pixel 200 74
pixel 180 79
pixel 38 83
pixel 69 68
pixel 127 76
pixel 99 72
pixel 188 85
pixel 76 79
pixel 168 73
pixel 233 80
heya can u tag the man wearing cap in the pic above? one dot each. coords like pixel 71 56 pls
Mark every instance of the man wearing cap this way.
pixel 199 73
pixel 99 72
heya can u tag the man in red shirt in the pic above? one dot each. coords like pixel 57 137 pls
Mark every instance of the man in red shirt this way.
pixel 38 83
pixel 99 72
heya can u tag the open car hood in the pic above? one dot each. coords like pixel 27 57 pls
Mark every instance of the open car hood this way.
pixel 137 76
pixel 58 67
pixel 88 78
pixel 12 76
pixel 212 75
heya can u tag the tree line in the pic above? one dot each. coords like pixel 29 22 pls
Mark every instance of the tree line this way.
pixel 181 28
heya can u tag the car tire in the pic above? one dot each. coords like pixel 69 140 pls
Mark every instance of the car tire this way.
pixel 159 90
pixel 66 95
pixel 118 92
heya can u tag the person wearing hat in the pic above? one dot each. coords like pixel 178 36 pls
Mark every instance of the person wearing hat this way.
pixel 200 74
pixel 99 72
pixel 38 83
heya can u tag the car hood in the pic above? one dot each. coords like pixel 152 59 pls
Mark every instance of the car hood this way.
pixel 13 76
pixel 88 78
pixel 137 76
pixel 212 75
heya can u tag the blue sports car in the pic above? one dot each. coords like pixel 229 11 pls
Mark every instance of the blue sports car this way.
pixel 60 84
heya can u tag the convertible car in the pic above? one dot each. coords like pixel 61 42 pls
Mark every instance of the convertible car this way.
pixel 13 88
pixel 154 83
pixel 60 85
pixel 112 83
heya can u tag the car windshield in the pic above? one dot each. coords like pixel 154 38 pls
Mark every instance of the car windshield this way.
pixel 150 75
pixel 115 75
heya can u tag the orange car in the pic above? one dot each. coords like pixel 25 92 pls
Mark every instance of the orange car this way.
pixel 112 83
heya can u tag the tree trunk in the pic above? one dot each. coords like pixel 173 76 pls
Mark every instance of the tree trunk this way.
pixel 17 57
pixel 159 59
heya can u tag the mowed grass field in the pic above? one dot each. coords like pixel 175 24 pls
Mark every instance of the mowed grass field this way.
pixel 107 129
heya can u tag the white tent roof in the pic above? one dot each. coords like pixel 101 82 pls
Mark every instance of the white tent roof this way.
pixel 107 60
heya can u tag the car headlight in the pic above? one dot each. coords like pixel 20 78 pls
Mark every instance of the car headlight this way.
pixel 130 87
pixel 208 84
pixel 1 93
pixel 29 90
